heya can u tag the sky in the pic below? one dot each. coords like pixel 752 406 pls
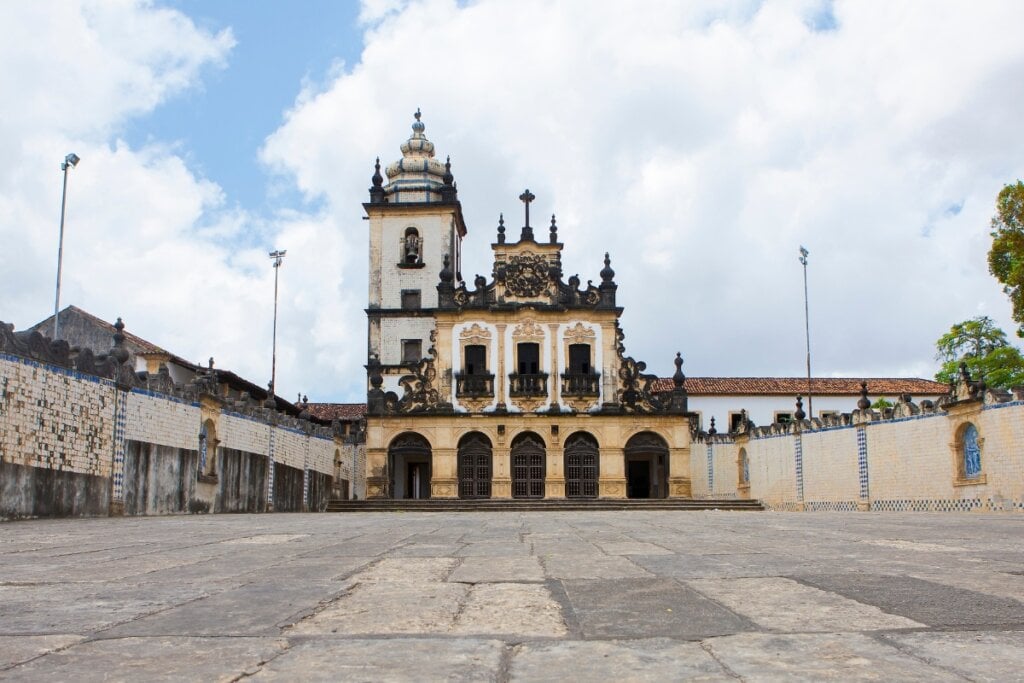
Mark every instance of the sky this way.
pixel 699 143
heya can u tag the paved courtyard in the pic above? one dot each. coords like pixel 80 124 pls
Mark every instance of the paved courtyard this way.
pixel 515 596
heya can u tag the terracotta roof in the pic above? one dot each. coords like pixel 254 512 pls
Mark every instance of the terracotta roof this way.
pixel 791 386
pixel 337 411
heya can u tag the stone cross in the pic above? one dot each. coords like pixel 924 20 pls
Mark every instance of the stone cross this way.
pixel 526 197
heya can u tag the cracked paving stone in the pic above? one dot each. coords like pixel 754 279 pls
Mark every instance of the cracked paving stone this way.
pixel 817 657
pixel 785 605
pixel 655 659
pixel 17 649
pixel 978 656
pixel 521 609
pixel 151 659
pixel 498 570
pixel 590 567
pixel 408 570
pixel 388 607
pixel 395 659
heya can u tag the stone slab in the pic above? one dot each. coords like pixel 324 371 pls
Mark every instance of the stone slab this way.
pixel 411 660
pixel 637 608
pixel 596 566
pixel 980 656
pixel 923 601
pixel 514 609
pixel 784 605
pixel 817 657
pixel 151 659
pixel 654 659
pixel 498 570
pixel 18 649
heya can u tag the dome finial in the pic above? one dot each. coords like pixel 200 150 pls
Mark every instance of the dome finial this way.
pixel 417 126
pixel 501 228
pixel 607 274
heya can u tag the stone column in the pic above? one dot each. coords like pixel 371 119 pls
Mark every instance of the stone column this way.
pixel 612 482
pixel 444 482
pixel 554 476
pixel 376 472
pixel 501 472
pixel 679 484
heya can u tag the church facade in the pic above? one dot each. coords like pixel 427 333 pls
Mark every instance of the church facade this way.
pixel 516 386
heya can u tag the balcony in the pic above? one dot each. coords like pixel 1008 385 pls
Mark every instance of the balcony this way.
pixel 581 384
pixel 534 384
pixel 474 386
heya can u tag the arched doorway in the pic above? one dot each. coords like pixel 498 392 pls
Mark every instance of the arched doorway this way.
pixel 646 466
pixel 528 466
pixel 474 466
pixel 409 466
pixel 582 459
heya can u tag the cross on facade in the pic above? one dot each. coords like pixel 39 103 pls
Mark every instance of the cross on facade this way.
pixel 526 197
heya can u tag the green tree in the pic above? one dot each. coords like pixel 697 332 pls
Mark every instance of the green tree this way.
pixel 985 349
pixel 1006 257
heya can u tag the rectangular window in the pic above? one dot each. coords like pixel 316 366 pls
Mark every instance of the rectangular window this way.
pixel 412 350
pixel 476 359
pixel 827 413
pixel 411 300
pixel 734 421
pixel 529 358
pixel 579 359
pixel 783 418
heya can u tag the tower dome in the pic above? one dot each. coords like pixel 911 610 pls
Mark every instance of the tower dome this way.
pixel 417 176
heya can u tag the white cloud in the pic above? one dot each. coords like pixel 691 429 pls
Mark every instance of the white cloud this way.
pixel 699 143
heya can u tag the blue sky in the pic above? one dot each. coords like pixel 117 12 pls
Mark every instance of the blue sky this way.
pixel 698 142
pixel 221 123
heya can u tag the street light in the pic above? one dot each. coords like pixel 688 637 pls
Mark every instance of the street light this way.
pixel 807 329
pixel 277 255
pixel 70 161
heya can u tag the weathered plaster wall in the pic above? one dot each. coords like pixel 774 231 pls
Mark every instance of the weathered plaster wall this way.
pixel 75 444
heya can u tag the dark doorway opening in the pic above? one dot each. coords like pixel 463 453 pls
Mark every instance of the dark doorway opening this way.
pixel 638 479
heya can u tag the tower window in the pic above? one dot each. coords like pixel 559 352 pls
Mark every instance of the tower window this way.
pixel 529 358
pixel 412 350
pixel 476 359
pixel 412 247
pixel 411 300
pixel 579 359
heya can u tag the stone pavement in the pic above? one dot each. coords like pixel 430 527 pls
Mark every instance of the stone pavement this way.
pixel 515 596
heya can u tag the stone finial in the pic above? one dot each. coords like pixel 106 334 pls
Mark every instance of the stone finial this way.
pixel 607 274
pixel 554 230
pixel 446 275
pixel 377 179
pixel 418 126
pixel 712 431
pixel 448 178
pixel 501 228
pixel 678 377
pixel 526 197
pixel 864 403
pixel 377 190
pixel 119 353
pixel 799 414
pixel 210 363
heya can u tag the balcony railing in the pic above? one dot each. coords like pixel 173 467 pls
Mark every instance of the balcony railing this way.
pixel 533 384
pixel 474 386
pixel 581 384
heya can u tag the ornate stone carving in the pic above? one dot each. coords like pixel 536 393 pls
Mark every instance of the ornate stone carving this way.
pixel 475 334
pixel 579 333
pixel 528 330
pixel 526 275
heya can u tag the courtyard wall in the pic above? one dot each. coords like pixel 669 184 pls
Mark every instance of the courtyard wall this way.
pixel 85 436
pixel 909 458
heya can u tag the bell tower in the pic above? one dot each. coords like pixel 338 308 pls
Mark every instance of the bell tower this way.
pixel 416 230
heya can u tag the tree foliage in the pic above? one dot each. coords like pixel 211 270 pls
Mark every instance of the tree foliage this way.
pixel 985 349
pixel 1006 257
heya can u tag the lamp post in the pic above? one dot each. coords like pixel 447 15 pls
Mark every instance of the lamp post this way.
pixel 70 161
pixel 807 329
pixel 277 256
